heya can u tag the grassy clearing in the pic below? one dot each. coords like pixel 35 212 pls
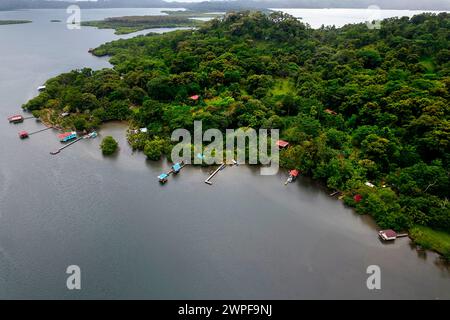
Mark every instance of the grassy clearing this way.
pixel 431 239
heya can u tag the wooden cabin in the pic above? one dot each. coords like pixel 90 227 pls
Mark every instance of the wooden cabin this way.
pixel 282 144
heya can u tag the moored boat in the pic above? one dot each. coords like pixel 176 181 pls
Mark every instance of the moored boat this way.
pixel 67 136
pixel 163 178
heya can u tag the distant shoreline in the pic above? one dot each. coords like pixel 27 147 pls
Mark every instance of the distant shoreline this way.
pixel 8 22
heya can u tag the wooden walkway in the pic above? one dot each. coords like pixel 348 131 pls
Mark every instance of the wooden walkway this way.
pixel 66 146
pixel 208 180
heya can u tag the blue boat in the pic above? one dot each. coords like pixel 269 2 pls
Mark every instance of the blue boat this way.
pixel 163 178
pixel 176 168
pixel 65 137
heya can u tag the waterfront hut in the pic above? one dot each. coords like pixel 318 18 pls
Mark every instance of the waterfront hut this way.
pixel 282 144
pixel 387 235
pixel 41 88
pixel 370 185
pixel 163 178
pixel 23 135
pixel 357 198
pixel 294 174
pixel 16 119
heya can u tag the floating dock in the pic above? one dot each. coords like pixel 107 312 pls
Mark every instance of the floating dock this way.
pixel 208 180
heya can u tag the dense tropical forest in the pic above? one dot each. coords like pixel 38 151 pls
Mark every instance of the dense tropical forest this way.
pixel 356 104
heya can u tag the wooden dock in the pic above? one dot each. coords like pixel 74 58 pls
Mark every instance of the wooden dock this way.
pixel 208 180
pixel 66 146
pixel 38 131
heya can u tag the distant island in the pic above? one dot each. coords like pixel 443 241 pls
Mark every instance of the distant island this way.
pixel 130 24
pixel 7 22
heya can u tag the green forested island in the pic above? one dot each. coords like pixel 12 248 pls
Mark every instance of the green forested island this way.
pixel 7 22
pixel 356 104
pixel 125 25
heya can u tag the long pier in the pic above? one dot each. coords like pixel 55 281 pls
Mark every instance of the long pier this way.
pixel 38 131
pixel 66 146
pixel 208 180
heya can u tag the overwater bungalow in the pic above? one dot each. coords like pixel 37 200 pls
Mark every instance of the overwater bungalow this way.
pixel 390 235
pixel 16 119
pixel 23 135
pixel 293 174
pixel 387 235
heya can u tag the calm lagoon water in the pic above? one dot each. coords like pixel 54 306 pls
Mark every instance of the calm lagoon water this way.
pixel 340 17
pixel 247 236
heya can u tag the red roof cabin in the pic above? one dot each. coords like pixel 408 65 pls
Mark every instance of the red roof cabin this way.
pixel 357 198
pixel 387 235
pixel 15 119
pixel 294 173
pixel 23 135
pixel 282 144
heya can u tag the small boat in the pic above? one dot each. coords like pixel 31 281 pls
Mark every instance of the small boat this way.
pixel 16 119
pixel 41 88
pixel 23 135
pixel 163 178
pixel 177 167
pixel 92 135
pixel 67 136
